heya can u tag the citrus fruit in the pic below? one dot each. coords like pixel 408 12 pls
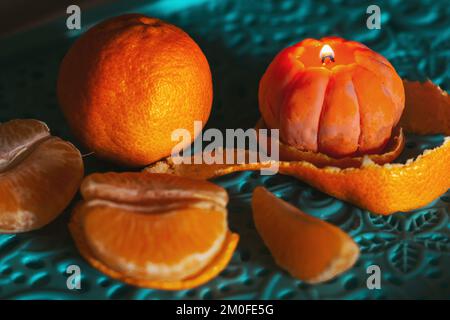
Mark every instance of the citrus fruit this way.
pixel 342 108
pixel 153 230
pixel 308 248
pixel 39 175
pixel 128 83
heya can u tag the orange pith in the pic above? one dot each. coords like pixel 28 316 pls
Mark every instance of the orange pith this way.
pixel 308 248
pixel 146 188
pixel 382 189
pixel 169 233
pixel 128 83
pixel 39 175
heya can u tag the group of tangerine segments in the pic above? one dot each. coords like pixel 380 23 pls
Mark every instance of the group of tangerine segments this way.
pixel 183 220
pixel 153 230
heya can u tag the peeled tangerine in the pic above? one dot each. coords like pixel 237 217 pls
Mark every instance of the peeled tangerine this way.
pixel 153 230
pixel 343 107
pixel 39 175
pixel 308 248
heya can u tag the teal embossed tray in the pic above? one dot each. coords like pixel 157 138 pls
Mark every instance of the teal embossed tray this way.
pixel 239 39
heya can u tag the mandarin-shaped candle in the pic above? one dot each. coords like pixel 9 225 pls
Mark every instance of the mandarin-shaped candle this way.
pixel 332 96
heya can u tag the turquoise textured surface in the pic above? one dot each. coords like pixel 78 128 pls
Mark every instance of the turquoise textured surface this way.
pixel 239 39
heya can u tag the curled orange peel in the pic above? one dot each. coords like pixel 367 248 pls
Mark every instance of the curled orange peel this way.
pixel 427 109
pixel 206 274
pixel 382 189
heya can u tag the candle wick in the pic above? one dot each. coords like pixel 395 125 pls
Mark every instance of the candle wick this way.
pixel 329 57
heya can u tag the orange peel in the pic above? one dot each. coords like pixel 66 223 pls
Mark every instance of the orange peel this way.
pixel 427 109
pixel 309 248
pixel 382 189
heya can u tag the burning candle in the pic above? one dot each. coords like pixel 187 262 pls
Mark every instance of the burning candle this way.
pixel 332 96
pixel 326 52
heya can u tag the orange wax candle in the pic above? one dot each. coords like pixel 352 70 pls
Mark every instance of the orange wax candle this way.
pixel 332 96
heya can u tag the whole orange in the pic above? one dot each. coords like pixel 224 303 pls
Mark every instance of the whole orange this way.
pixel 128 83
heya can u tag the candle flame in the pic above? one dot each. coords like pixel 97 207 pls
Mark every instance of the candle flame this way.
pixel 326 52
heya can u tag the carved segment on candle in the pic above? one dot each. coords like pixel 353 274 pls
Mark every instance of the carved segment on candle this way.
pixel 302 108
pixel 339 125
pixel 281 73
pixel 375 107
pixel 390 81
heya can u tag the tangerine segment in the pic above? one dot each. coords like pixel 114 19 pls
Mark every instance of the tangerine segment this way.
pixel 427 109
pixel 39 175
pixel 289 153
pixel 308 248
pixel 135 187
pixel 135 242
pixel 166 246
